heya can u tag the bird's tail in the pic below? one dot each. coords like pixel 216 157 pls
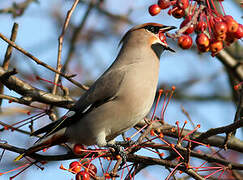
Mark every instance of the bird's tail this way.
pixel 55 139
pixel 19 157
pixel 31 150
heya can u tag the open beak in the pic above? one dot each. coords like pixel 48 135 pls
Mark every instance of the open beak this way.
pixel 162 36
pixel 163 30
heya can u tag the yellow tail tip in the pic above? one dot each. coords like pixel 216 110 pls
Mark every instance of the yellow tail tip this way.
pixel 19 157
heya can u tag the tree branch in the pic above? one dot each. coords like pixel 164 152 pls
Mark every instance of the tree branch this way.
pixel 31 93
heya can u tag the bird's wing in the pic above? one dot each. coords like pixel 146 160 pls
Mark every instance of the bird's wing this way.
pixel 102 91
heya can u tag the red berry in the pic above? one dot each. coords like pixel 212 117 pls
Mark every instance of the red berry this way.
pixel 202 40
pixel 152 133
pixel 162 38
pixel 178 12
pixel 83 175
pixel 221 37
pixel 164 4
pixel 203 49
pixel 190 29
pixel 230 38
pixel 216 46
pixel 201 26
pixel 183 4
pixel 218 19
pixel 228 17
pixel 78 148
pixel 154 9
pixel 239 33
pixel 232 25
pixel 91 169
pixel 220 28
pixel 75 166
pixel 185 41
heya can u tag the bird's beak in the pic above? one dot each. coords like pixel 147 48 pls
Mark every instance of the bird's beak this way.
pixel 166 28
pixel 163 30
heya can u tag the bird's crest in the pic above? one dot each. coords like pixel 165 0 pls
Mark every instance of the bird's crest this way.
pixel 136 28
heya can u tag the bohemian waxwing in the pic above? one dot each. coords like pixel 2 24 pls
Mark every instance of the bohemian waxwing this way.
pixel 118 100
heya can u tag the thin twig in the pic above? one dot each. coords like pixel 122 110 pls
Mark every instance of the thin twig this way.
pixel 17 9
pixel 60 45
pixel 224 129
pixel 59 54
pixel 76 34
pixel 213 140
pixel 114 172
pixel 39 62
pixel 15 99
pixel 8 55
pixel 188 116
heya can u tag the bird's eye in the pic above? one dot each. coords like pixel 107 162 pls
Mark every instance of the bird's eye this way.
pixel 153 29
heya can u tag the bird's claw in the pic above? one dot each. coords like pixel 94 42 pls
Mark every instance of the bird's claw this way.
pixel 118 150
pixel 131 143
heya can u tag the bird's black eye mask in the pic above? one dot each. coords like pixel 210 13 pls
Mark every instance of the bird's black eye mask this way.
pixel 153 29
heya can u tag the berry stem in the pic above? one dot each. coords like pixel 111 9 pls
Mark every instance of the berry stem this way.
pixel 215 10
pixel 26 119
pixel 172 172
pixel 222 7
pixel 157 102
pixel 27 164
pixel 213 173
pixel 162 110
pixel 209 26
pixel 36 118
pixel 191 132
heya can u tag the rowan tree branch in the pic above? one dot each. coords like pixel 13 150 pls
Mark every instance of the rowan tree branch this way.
pixel 76 33
pixel 210 138
pixel 230 62
pixel 17 9
pixel 8 55
pixel 31 94
pixel 60 45
pixel 114 17
pixel 39 62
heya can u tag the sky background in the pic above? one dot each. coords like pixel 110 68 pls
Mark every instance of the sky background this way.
pixel 38 33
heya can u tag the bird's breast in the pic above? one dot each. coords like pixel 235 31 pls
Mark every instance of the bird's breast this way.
pixel 139 87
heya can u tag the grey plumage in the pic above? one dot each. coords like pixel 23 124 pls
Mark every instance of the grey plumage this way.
pixel 118 100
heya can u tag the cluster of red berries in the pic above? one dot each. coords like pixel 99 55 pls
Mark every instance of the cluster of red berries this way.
pixel 89 171
pixel 178 7
pixel 83 171
pixel 213 29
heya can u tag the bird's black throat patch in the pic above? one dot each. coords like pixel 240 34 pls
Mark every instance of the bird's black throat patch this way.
pixel 158 49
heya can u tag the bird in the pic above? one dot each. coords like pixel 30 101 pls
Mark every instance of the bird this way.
pixel 121 97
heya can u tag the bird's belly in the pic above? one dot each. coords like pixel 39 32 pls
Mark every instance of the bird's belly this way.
pixel 135 109
pixel 118 118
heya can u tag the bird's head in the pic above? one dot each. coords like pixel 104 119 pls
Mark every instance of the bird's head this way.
pixel 149 34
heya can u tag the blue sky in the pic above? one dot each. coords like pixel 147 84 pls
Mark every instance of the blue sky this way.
pixel 38 34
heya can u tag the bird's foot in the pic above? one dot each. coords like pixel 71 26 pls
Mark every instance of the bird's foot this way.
pixel 130 143
pixel 118 150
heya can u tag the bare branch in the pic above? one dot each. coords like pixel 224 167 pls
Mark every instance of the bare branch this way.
pixel 76 34
pixel 60 44
pixel 39 62
pixel 17 9
pixel 8 55
pixel 31 93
